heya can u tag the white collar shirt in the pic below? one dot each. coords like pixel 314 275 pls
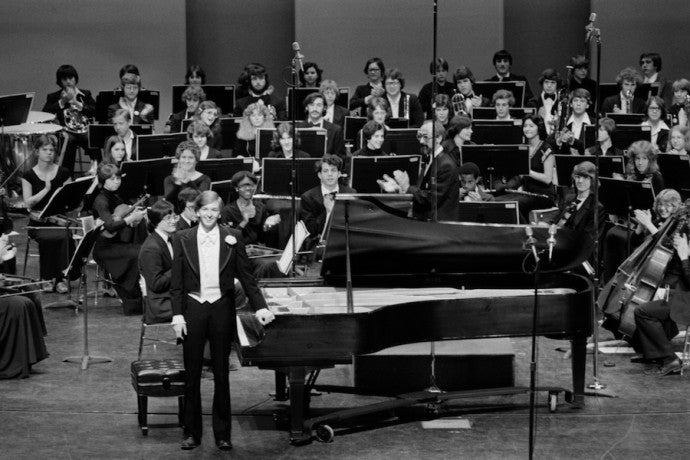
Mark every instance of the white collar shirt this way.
pixel 209 264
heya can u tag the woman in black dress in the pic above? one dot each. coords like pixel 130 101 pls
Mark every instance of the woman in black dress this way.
pixel 38 185
pixel 184 174
pixel 117 247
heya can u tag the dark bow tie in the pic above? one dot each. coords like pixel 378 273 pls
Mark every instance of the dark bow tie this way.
pixel 314 125
pixel 550 96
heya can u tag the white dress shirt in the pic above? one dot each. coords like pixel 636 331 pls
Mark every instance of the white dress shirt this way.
pixel 209 264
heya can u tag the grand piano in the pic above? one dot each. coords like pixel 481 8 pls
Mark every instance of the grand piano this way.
pixel 482 291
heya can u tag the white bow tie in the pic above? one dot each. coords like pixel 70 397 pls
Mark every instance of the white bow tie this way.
pixel 209 240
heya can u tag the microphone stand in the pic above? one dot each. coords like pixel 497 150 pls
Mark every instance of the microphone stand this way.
pixel 529 246
pixel 295 66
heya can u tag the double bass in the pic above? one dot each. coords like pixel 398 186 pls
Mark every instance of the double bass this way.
pixel 640 276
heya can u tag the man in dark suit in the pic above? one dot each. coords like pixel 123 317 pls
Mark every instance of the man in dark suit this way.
pixel 81 107
pixel 650 64
pixel 625 101
pixel 315 108
pixel 503 61
pixel 185 208
pixel 316 204
pixel 207 259
pixel 140 112
pixel 447 179
pixel 155 261
pixel 546 102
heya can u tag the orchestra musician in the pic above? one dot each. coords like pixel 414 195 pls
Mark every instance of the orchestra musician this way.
pixel 571 140
pixel 117 247
pixel 677 140
pixel 678 112
pixel 650 65
pixel 402 104
pixel 282 144
pixel 198 132
pixel 374 70
pixel 580 79
pixel 459 133
pixel 503 100
pixel 464 81
pixel 547 101
pixel 439 71
pixel 122 121
pixel 605 135
pixel 503 61
pixel 656 116
pixel 74 108
pixel 195 76
pixel 310 75
pixel 442 109
pixel 184 174
pixel 114 151
pixel 127 68
pixel 447 178
pixel 315 108
pixel 155 261
pixel 208 114
pixel 38 185
pixel 255 82
pixel 255 116
pixel 334 113
pixel 192 97
pixel 378 110
pixel 185 208
pixel 470 189
pixel 140 113
pixel 207 259
pixel 373 136
pixel 625 101
pixel 642 165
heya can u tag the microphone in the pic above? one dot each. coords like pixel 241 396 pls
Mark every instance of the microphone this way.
pixel 551 241
pixel 530 242
pixel 590 27
pixel 298 56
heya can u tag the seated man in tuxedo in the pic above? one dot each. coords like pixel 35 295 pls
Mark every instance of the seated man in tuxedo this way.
pixel 650 65
pixel 439 70
pixel 155 261
pixel 625 101
pixel 571 139
pixel 316 204
pixel 503 61
pixel 315 108
pixel 547 101
pixel 185 208
pixel 255 82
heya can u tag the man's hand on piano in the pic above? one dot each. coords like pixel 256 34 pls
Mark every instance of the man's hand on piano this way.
pixel 264 316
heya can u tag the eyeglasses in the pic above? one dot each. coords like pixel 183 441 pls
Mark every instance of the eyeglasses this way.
pixel 374 69
pixel 577 176
pixel 656 109
pixel 423 136
pixel 171 218
pixel 246 186
pixel 392 83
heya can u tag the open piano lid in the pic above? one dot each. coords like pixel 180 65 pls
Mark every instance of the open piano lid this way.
pixel 384 242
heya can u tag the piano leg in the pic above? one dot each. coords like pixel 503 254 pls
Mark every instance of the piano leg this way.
pixel 281 387
pixel 299 403
pixel 579 363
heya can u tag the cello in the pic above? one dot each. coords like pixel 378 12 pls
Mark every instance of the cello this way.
pixel 639 276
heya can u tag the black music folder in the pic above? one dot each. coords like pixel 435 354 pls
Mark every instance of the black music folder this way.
pixel 625 135
pixel 642 91
pixel 607 166
pixel 489 113
pixel 627 118
pixel 228 129
pixel 312 141
pixel 488 88
pixel 621 197
pixel 221 169
pixel 401 142
pixel 676 170
pixel 223 189
pixel 97 134
pixel 497 161
pixel 151 146
pixel 144 177
pixel 105 99
pixel 222 95
pixel 68 197
pixel 276 174
pixel 301 94
pixel 499 132
pixel 15 108
pixel 364 171
pixel 488 212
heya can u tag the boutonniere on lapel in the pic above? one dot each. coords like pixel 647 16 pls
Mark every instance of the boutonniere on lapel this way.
pixel 231 240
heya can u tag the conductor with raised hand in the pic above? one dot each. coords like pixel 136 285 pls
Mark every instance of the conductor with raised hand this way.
pixel 206 261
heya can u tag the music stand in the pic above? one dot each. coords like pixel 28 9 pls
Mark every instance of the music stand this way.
pixel 152 146
pixel 676 170
pixel 497 161
pixel 223 189
pixel 643 90
pixel 607 166
pixel 489 113
pixel 105 99
pixel 625 135
pixel 488 88
pixel 221 169
pixel 275 172
pixel 500 132
pixel 364 171
pixel 97 134
pixel 222 95
pixel 144 177
pixel 401 141
pixel 627 118
pixel 488 212
pixel 353 125
pixel 15 108
pixel 77 269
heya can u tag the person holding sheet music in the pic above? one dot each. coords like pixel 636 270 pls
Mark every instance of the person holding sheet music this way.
pixel 184 173
pixel 464 79
pixel 459 133
pixel 315 108
pixel 38 185
pixel 185 208
pixel 539 182
pixel 605 135
pixel 625 101
pixel 402 104
pixel 208 113
pixel 678 140
pixel 447 179
pixel 201 134
pixel 374 70
pixel 373 136
pixel 334 113
pixel 114 151
pixel 117 247
pixel 255 116
pixel 678 112
pixel 503 61
pixel 122 121
pixel 195 76
pixel 656 114
pixel 439 71
pixel 470 190
pixel 502 101
pixel 140 112
pixel 255 82
pixel 192 97
pixel 283 145
pixel 310 75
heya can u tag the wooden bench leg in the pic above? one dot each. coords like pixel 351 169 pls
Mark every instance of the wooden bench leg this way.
pixel 142 403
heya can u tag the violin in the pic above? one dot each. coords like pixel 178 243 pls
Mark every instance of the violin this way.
pixel 122 211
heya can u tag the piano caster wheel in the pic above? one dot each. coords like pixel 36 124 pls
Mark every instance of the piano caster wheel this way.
pixel 145 430
pixel 553 401
pixel 324 433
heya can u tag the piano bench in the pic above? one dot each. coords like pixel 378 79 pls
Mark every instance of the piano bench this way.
pixel 158 378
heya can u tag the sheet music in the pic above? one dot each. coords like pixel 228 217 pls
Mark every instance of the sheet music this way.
pixel 285 261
